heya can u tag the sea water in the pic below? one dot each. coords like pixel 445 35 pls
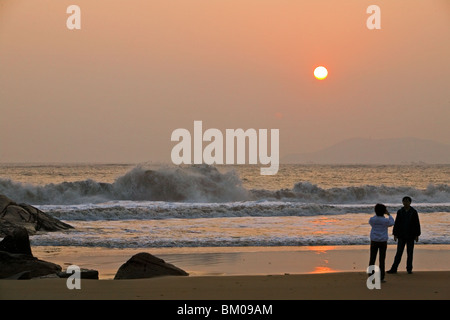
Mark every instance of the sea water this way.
pixel 157 206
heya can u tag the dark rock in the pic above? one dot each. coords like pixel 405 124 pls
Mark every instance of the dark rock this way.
pixel 17 242
pixel 84 274
pixel 14 263
pixel 7 227
pixel 145 265
pixel 24 275
pixel 13 215
pixel 4 202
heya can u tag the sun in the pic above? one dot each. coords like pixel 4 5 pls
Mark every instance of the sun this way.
pixel 320 73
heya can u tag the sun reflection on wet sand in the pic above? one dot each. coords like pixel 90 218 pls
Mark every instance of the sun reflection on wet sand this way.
pixel 321 249
pixel 323 270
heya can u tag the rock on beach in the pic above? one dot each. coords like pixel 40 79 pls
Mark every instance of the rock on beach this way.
pixel 14 215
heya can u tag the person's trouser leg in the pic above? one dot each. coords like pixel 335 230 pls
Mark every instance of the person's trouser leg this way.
pixel 409 252
pixel 374 248
pixel 373 253
pixel 382 247
pixel 398 256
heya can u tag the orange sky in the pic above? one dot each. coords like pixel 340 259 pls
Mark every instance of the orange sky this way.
pixel 137 70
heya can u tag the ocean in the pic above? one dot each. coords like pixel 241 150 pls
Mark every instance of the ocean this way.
pixel 161 206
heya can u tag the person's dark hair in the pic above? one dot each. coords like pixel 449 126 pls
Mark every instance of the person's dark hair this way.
pixel 380 209
pixel 407 199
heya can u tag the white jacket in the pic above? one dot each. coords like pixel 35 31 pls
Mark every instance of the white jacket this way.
pixel 380 227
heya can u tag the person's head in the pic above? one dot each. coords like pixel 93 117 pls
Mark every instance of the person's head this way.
pixel 380 209
pixel 406 201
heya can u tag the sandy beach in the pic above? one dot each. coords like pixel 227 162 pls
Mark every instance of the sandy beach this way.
pixel 335 286
pixel 284 273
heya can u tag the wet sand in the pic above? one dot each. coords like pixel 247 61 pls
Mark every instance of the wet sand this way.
pixel 269 273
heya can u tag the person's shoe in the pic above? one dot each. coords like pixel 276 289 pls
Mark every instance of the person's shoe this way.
pixel 391 271
pixel 383 281
pixel 409 272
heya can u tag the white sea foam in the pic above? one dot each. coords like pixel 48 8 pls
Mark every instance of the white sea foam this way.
pixel 157 210
pixel 346 229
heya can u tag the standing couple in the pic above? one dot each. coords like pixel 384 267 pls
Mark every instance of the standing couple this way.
pixel 406 231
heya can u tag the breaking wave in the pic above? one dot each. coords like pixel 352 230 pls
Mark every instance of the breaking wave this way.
pixel 308 192
pixel 205 184
pixel 196 183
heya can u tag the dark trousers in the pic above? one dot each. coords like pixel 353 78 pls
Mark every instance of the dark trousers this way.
pixel 401 242
pixel 376 246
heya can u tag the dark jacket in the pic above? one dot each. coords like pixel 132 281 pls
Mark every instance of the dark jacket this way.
pixel 407 224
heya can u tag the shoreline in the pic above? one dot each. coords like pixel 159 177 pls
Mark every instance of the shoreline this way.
pixel 220 261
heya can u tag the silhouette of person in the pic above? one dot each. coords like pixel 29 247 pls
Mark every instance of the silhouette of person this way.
pixel 406 231
pixel 379 236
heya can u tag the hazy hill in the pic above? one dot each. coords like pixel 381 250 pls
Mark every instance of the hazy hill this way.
pixel 377 151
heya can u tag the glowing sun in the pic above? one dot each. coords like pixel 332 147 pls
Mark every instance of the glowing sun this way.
pixel 320 73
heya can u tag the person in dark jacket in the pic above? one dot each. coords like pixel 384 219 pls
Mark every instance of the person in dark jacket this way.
pixel 406 231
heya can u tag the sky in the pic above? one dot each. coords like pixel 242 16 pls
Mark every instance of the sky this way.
pixel 116 89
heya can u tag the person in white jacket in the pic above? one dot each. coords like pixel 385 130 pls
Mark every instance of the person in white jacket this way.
pixel 379 236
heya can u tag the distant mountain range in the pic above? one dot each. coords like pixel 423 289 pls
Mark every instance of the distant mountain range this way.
pixel 376 151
